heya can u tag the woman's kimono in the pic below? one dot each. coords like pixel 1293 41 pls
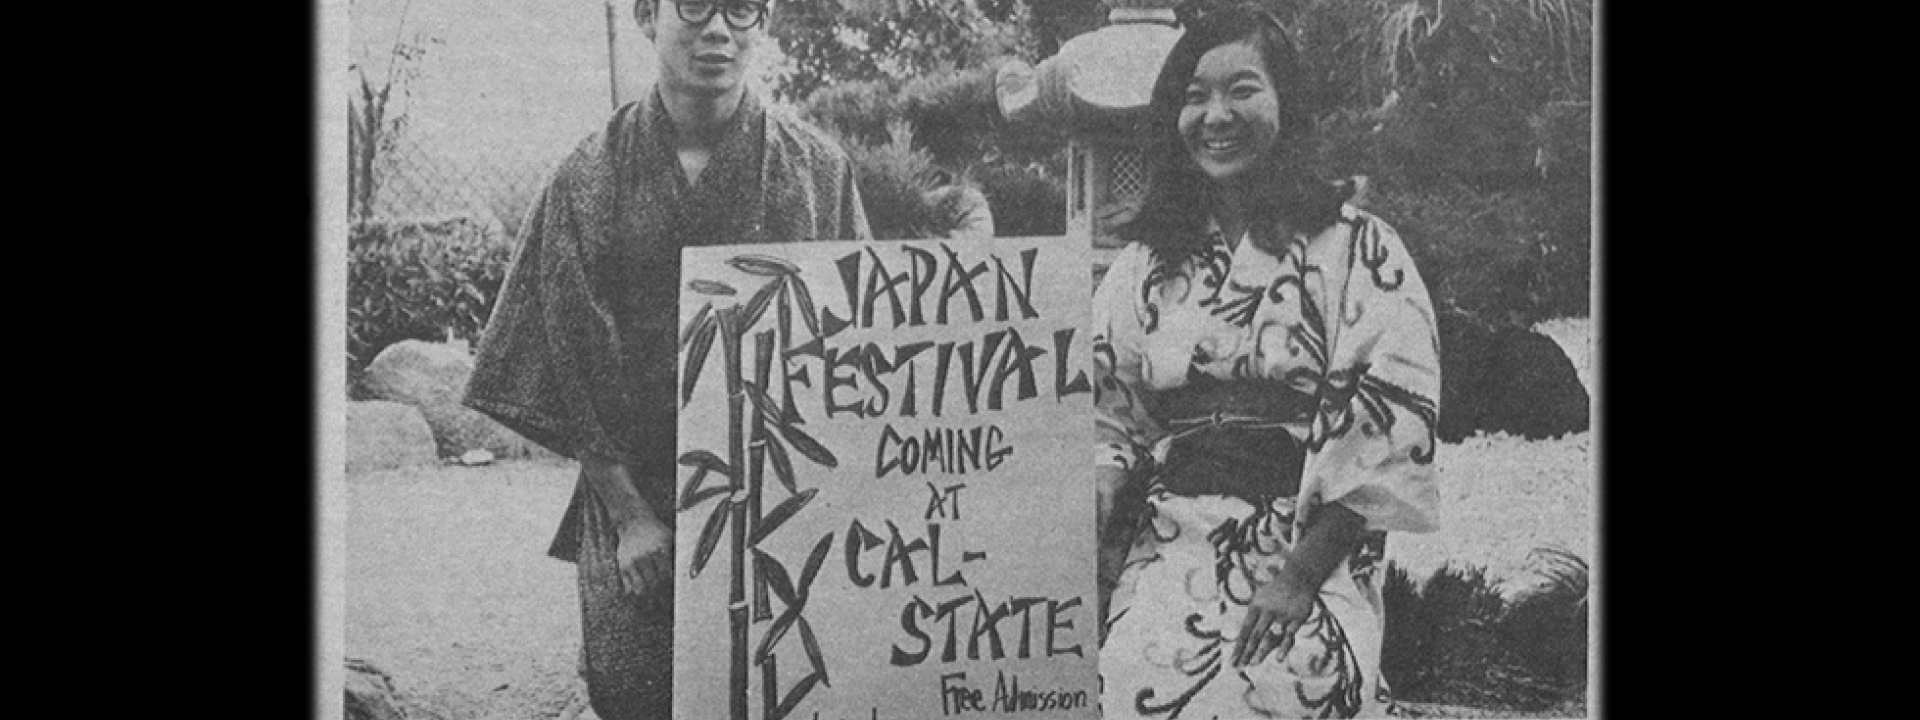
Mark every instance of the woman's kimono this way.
pixel 1334 341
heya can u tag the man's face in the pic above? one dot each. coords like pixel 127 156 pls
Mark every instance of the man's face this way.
pixel 707 58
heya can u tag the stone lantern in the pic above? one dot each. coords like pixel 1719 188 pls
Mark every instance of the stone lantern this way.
pixel 1096 91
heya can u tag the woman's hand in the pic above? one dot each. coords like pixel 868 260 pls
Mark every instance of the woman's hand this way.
pixel 1279 608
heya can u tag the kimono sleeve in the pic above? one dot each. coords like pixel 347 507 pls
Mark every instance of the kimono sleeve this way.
pixel 1123 430
pixel 534 365
pixel 1379 410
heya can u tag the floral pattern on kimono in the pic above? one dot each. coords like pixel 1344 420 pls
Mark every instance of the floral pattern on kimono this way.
pixel 1341 317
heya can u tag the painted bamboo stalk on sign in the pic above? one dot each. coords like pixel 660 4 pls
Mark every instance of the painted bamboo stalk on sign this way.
pixel 761 432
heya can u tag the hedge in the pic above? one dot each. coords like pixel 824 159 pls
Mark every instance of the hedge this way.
pixel 419 280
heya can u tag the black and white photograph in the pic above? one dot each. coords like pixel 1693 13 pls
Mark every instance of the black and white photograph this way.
pixel 918 359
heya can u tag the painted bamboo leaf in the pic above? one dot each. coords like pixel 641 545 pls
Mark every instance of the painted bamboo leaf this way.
pixel 780 514
pixel 804 298
pixel 814 560
pixel 812 645
pixel 763 404
pixel 776 575
pixel 794 436
pixel 698 458
pixel 693 326
pixel 763 265
pixel 709 537
pixel 694 499
pixel 757 305
pixel 807 446
pixel 703 463
pixel 696 358
pixel 690 497
pixel 798 693
pixel 782 464
pixel 775 632
pixel 711 287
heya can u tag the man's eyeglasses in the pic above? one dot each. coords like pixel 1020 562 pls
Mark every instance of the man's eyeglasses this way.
pixel 740 14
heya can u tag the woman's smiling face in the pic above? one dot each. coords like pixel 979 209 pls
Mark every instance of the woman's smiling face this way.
pixel 1231 114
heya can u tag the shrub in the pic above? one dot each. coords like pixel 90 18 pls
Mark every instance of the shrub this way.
pixel 954 115
pixel 896 182
pixel 832 41
pixel 1523 256
pixel 1410 637
pixel 1439 644
pixel 1546 625
pixel 1456 640
pixel 858 111
pixel 419 280
pixel 940 126
pixel 1480 92
pixel 1473 122
pixel 1026 199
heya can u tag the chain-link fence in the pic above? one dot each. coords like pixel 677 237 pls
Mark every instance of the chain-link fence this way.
pixel 434 217
pixel 418 176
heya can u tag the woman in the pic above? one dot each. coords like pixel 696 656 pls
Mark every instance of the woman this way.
pixel 1268 374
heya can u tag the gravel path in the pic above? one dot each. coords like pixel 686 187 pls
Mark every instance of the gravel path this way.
pixel 1502 498
pixel 449 589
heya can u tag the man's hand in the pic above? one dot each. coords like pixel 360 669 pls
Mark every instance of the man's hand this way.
pixel 645 554
pixel 644 544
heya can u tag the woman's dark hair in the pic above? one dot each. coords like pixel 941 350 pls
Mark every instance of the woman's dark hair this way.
pixel 1173 217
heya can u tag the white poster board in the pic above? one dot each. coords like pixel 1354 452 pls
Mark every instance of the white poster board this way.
pixel 912 535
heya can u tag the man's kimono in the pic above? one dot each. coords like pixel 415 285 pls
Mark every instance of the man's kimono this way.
pixel 579 352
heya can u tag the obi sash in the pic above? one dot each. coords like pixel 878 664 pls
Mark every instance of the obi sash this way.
pixel 1230 438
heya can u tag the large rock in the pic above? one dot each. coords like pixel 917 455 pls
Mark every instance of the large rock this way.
pixel 419 373
pixel 385 435
pixel 369 693
pixel 1505 378
pixel 431 377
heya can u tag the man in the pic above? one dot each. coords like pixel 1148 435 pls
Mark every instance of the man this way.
pixel 579 352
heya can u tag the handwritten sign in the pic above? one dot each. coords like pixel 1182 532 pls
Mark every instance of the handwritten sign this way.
pixel 885 497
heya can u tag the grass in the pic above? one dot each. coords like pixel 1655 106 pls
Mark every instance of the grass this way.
pixel 1456 639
